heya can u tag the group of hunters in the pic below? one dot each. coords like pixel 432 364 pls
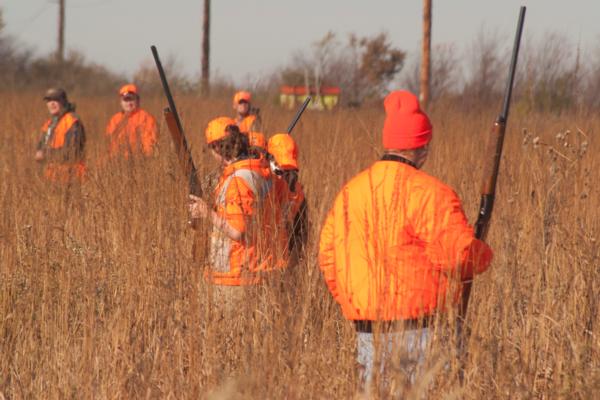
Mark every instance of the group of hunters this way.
pixel 394 247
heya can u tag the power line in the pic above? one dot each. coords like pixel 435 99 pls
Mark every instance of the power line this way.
pixel 91 4
pixel 24 24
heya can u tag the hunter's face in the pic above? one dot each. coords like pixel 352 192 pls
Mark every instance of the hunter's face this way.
pixel 54 107
pixel 242 107
pixel 129 103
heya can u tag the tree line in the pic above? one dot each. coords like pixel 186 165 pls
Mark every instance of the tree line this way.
pixel 553 74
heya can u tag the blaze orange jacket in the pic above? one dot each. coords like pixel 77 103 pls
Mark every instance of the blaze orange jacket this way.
pixel 396 244
pixel 133 133
pixel 63 141
pixel 250 123
pixel 245 198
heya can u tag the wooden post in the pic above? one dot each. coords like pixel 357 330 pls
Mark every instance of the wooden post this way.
pixel 205 80
pixel 426 55
pixel 60 51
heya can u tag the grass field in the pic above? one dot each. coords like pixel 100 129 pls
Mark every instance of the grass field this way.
pixel 101 297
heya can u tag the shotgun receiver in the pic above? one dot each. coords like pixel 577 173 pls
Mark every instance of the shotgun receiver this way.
pixel 174 125
pixel 493 155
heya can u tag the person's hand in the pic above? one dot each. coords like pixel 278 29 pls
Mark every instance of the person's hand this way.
pixel 198 207
pixel 39 155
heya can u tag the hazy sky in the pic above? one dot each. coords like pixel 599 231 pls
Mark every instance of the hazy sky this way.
pixel 255 36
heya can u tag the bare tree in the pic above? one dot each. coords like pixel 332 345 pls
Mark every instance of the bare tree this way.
pixel 486 63
pixel 362 67
pixel 445 72
pixel 592 86
pixel 426 54
pixel 552 73
pixel 379 64
pixel 146 77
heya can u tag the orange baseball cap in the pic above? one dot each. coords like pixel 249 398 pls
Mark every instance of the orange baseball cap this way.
pixel 257 139
pixel 127 89
pixel 239 96
pixel 284 149
pixel 217 129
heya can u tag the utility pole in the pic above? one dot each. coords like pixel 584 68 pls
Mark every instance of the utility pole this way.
pixel 426 55
pixel 205 80
pixel 60 51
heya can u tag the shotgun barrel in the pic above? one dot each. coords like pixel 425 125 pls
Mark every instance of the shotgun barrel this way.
pixel 175 128
pixel 298 114
pixel 493 156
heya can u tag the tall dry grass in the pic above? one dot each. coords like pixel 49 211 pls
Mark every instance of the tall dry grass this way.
pixel 101 297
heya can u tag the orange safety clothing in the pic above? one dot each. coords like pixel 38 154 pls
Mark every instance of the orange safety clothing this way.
pixel 405 126
pixel 132 133
pixel 217 129
pixel 245 198
pixel 257 149
pixel 284 149
pixel 241 95
pixel 257 139
pixel 129 88
pixel 63 141
pixel 396 244
pixel 250 123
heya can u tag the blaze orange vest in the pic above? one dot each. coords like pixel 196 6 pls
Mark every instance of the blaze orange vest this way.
pixel 245 198
pixel 63 170
pixel 246 125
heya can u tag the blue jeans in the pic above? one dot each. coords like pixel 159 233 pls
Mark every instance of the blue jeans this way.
pixel 406 349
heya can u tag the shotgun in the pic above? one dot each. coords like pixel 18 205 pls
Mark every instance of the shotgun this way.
pixel 292 176
pixel 492 163
pixel 174 125
pixel 298 114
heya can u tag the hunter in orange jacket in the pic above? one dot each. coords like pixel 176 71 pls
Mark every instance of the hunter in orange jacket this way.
pixel 62 140
pixel 246 118
pixel 396 241
pixel 247 239
pixel 396 244
pixel 283 153
pixel 132 130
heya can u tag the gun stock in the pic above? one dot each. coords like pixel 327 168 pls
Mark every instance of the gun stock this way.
pixel 490 178
pixel 176 130
pixel 183 153
pixel 493 156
